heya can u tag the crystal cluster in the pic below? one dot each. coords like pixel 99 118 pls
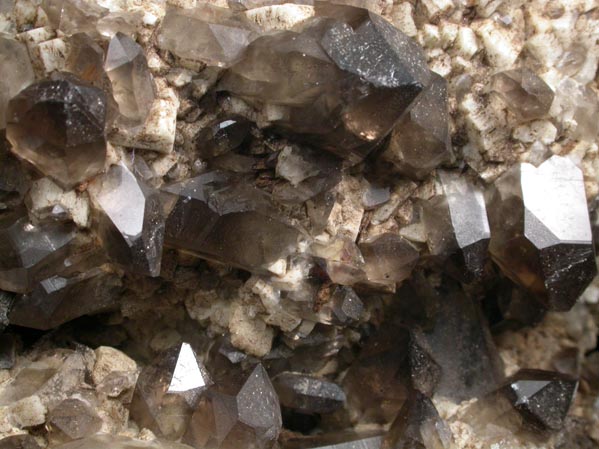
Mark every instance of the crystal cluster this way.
pixel 272 226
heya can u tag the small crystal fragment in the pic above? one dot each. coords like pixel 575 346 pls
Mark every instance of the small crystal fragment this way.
pixel 540 230
pixel 389 259
pixel 75 418
pixel 308 394
pixel 58 126
pixel 419 426
pixel 213 35
pixel 457 227
pixel 421 141
pixel 15 72
pixel 339 84
pixel 58 299
pixel 168 390
pixel 129 219
pixel 23 441
pixel 227 220
pixel 542 398
pixel 131 80
pixel 29 251
pixel 343 307
pixel 221 136
pixel 230 415
pixel 527 95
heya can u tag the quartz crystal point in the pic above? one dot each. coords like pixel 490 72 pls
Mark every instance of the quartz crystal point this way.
pixel 308 394
pixel 107 441
pixel 23 441
pixel 525 94
pixel 540 230
pixel 74 419
pixel 230 415
pixel 15 72
pixel 457 226
pixel 58 299
pixel 339 82
pixel 58 126
pixel 227 220
pixel 130 219
pixel 343 307
pixel 418 426
pixel 221 136
pixel 73 16
pixel 86 60
pixel 542 398
pixel 378 381
pixel 421 141
pixel 30 252
pixel 167 391
pixel 131 80
pixel 215 36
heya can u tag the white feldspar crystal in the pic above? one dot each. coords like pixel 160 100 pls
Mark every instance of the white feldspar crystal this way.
pixel 45 195
pixel 502 44
pixel 280 17
pixel 110 360
pixel 252 335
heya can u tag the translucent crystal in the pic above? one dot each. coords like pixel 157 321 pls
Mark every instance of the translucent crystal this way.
pixel 339 84
pixel 129 219
pixel 421 141
pixel 15 72
pixel 222 218
pixel 213 35
pixel 23 441
pixel 58 126
pixel 343 307
pixel 131 80
pixel 308 394
pixel 457 227
pixel 419 426
pixel 73 16
pixel 86 60
pixel 540 230
pixel 230 415
pixel 75 418
pixel 14 179
pixel 30 252
pixel 337 440
pixel 167 391
pixel 58 299
pixel 107 441
pixel 221 136
pixel 527 95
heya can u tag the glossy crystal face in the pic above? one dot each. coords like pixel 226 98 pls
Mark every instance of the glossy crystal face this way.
pixel 302 224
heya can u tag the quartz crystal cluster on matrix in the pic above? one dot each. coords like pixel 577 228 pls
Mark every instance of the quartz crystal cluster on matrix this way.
pixel 257 224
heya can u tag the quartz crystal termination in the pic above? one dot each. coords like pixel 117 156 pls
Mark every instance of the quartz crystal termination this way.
pixel 339 82
pixel 232 415
pixel 308 394
pixel 58 126
pixel 421 140
pixel 131 80
pixel 215 36
pixel 540 230
pixel 16 72
pixel 129 219
pixel 228 220
pixel 457 227
pixel 168 390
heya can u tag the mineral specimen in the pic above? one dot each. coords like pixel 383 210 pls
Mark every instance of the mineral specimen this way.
pixel 85 60
pixel 23 441
pixel 418 425
pixel 457 226
pixel 58 126
pixel 214 35
pixel 527 95
pixel 168 390
pixel 420 141
pixel 15 72
pixel 131 80
pixel 540 231
pixel 30 252
pixel 231 415
pixel 340 84
pixel 73 16
pixel 74 418
pixel 308 394
pixel 223 218
pixel 222 136
pixel 130 219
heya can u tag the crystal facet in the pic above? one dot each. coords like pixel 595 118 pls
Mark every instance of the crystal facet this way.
pixel 75 418
pixel 58 126
pixel 540 230
pixel 308 394
pixel 15 72
pixel 130 219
